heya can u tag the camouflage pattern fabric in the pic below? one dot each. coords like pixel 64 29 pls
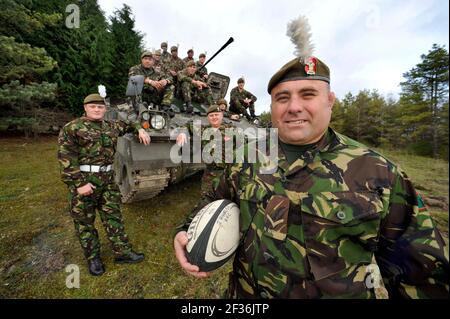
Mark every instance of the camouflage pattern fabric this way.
pixel 149 93
pixel 86 142
pixel 175 64
pixel 165 56
pixel 190 92
pixel 326 225
pixel 187 59
pixel 105 200
pixel 237 104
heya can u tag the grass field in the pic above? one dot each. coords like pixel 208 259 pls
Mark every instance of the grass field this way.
pixel 37 239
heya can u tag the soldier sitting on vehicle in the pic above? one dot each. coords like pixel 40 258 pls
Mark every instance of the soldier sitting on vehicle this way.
pixel 192 88
pixel 202 71
pixel 241 100
pixel 190 56
pixel 158 88
pixel 173 65
pixel 223 105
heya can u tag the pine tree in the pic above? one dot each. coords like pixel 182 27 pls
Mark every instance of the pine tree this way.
pixel 424 93
pixel 127 47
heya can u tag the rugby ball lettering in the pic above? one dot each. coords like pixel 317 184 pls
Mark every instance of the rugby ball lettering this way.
pixel 213 235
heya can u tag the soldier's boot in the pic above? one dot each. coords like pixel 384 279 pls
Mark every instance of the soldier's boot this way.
pixel 96 267
pixel 130 258
pixel 252 114
pixel 168 110
pixel 247 115
pixel 189 108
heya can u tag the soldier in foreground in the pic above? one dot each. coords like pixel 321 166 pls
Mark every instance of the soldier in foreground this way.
pixel 158 86
pixel 334 219
pixel 241 100
pixel 213 169
pixel 193 88
pixel 86 154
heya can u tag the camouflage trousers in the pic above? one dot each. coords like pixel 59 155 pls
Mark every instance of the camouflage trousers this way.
pixel 239 108
pixel 163 97
pixel 105 200
pixel 190 92
pixel 210 179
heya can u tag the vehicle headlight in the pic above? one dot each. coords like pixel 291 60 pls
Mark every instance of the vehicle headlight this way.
pixel 158 122
pixel 145 116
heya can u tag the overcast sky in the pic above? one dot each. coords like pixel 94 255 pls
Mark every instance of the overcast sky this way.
pixel 366 44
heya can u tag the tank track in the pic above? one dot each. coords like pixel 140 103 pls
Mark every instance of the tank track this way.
pixel 146 184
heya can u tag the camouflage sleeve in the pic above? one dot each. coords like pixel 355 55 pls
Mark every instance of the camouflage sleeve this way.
pixel 252 97
pixel 133 71
pixel 124 127
pixel 183 77
pixel 223 187
pixel 234 97
pixel 412 255
pixel 68 159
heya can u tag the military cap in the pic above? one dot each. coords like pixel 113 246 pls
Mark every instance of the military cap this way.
pixel 240 80
pixel 190 63
pixel 173 48
pixel 94 98
pixel 164 45
pixel 202 55
pixel 157 52
pixel 213 108
pixel 297 69
pixel 146 53
pixel 222 101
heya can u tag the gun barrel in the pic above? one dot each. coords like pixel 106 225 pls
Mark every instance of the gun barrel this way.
pixel 230 40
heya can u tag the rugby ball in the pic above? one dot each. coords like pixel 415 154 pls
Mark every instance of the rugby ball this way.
pixel 213 235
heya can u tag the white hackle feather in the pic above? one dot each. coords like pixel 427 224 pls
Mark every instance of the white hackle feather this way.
pixel 102 91
pixel 299 31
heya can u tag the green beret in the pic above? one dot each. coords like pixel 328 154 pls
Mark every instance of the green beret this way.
pixel 202 55
pixel 94 98
pixel 190 63
pixel 164 45
pixel 213 108
pixel 313 69
pixel 173 48
pixel 157 52
pixel 222 101
pixel 241 80
pixel 146 53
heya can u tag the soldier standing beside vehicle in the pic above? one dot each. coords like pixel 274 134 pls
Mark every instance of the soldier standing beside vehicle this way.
pixel 193 88
pixel 241 100
pixel 86 154
pixel 332 218
pixel 158 88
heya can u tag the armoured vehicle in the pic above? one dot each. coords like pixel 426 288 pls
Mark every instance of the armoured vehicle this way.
pixel 142 171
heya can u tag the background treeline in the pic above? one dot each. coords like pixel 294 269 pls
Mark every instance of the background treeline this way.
pixel 46 62
pixel 417 122
pixel 47 66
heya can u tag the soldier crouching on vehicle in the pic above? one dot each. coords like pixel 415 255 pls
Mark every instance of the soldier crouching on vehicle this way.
pixel 158 86
pixel 193 88
pixel 86 154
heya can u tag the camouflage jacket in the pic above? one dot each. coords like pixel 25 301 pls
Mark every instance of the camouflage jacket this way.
pixel 86 142
pixel 237 97
pixel 187 59
pixel 150 73
pixel 201 72
pixel 327 225
pixel 165 56
pixel 174 64
pixel 183 76
pixel 226 133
